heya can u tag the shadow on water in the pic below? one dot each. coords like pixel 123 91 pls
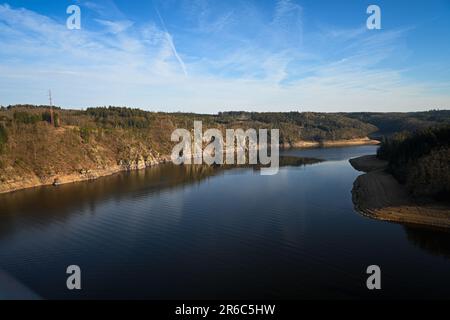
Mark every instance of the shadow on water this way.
pixel 434 241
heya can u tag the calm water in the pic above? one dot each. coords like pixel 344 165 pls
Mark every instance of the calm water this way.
pixel 185 233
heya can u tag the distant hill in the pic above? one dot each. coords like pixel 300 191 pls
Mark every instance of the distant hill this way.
pixel 390 123
pixel 306 126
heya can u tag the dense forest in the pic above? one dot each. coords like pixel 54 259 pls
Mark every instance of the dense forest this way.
pixel 420 160
pixel 294 126
pixel 309 126
pixel 391 123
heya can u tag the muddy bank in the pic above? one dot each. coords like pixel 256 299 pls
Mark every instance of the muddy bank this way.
pixel 378 195
pixel 368 163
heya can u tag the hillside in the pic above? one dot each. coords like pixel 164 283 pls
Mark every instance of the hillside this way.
pixel 82 145
pixel 409 180
pixel 420 161
pixel 394 122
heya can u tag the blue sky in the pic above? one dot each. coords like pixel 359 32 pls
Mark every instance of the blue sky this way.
pixel 209 56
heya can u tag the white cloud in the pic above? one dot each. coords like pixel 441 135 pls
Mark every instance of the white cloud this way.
pixel 139 65
pixel 171 44
pixel 115 26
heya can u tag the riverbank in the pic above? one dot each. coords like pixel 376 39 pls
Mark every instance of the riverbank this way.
pixel 332 143
pixel 378 195
pixel 32 180
pixel 368 163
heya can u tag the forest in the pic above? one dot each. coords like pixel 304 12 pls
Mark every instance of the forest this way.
pixel 420 160
pixel 394 122
pixel 294 126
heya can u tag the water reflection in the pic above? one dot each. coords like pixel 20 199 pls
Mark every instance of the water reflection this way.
pixel 434 241
pixel 47 203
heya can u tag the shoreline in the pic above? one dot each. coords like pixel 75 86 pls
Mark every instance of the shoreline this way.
pixel 33 181
pixel 331 143
pixel 378 195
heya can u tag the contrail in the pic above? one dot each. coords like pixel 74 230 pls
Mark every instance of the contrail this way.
pixel 172 45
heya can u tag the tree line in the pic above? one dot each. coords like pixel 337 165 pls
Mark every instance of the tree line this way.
pixel 420 160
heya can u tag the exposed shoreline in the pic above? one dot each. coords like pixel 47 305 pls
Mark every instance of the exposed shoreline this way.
pixel 89 175
pixel 33 181
pixel 378 195
pixel 332 143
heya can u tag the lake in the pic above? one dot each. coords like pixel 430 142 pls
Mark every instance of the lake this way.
pixel 172 232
